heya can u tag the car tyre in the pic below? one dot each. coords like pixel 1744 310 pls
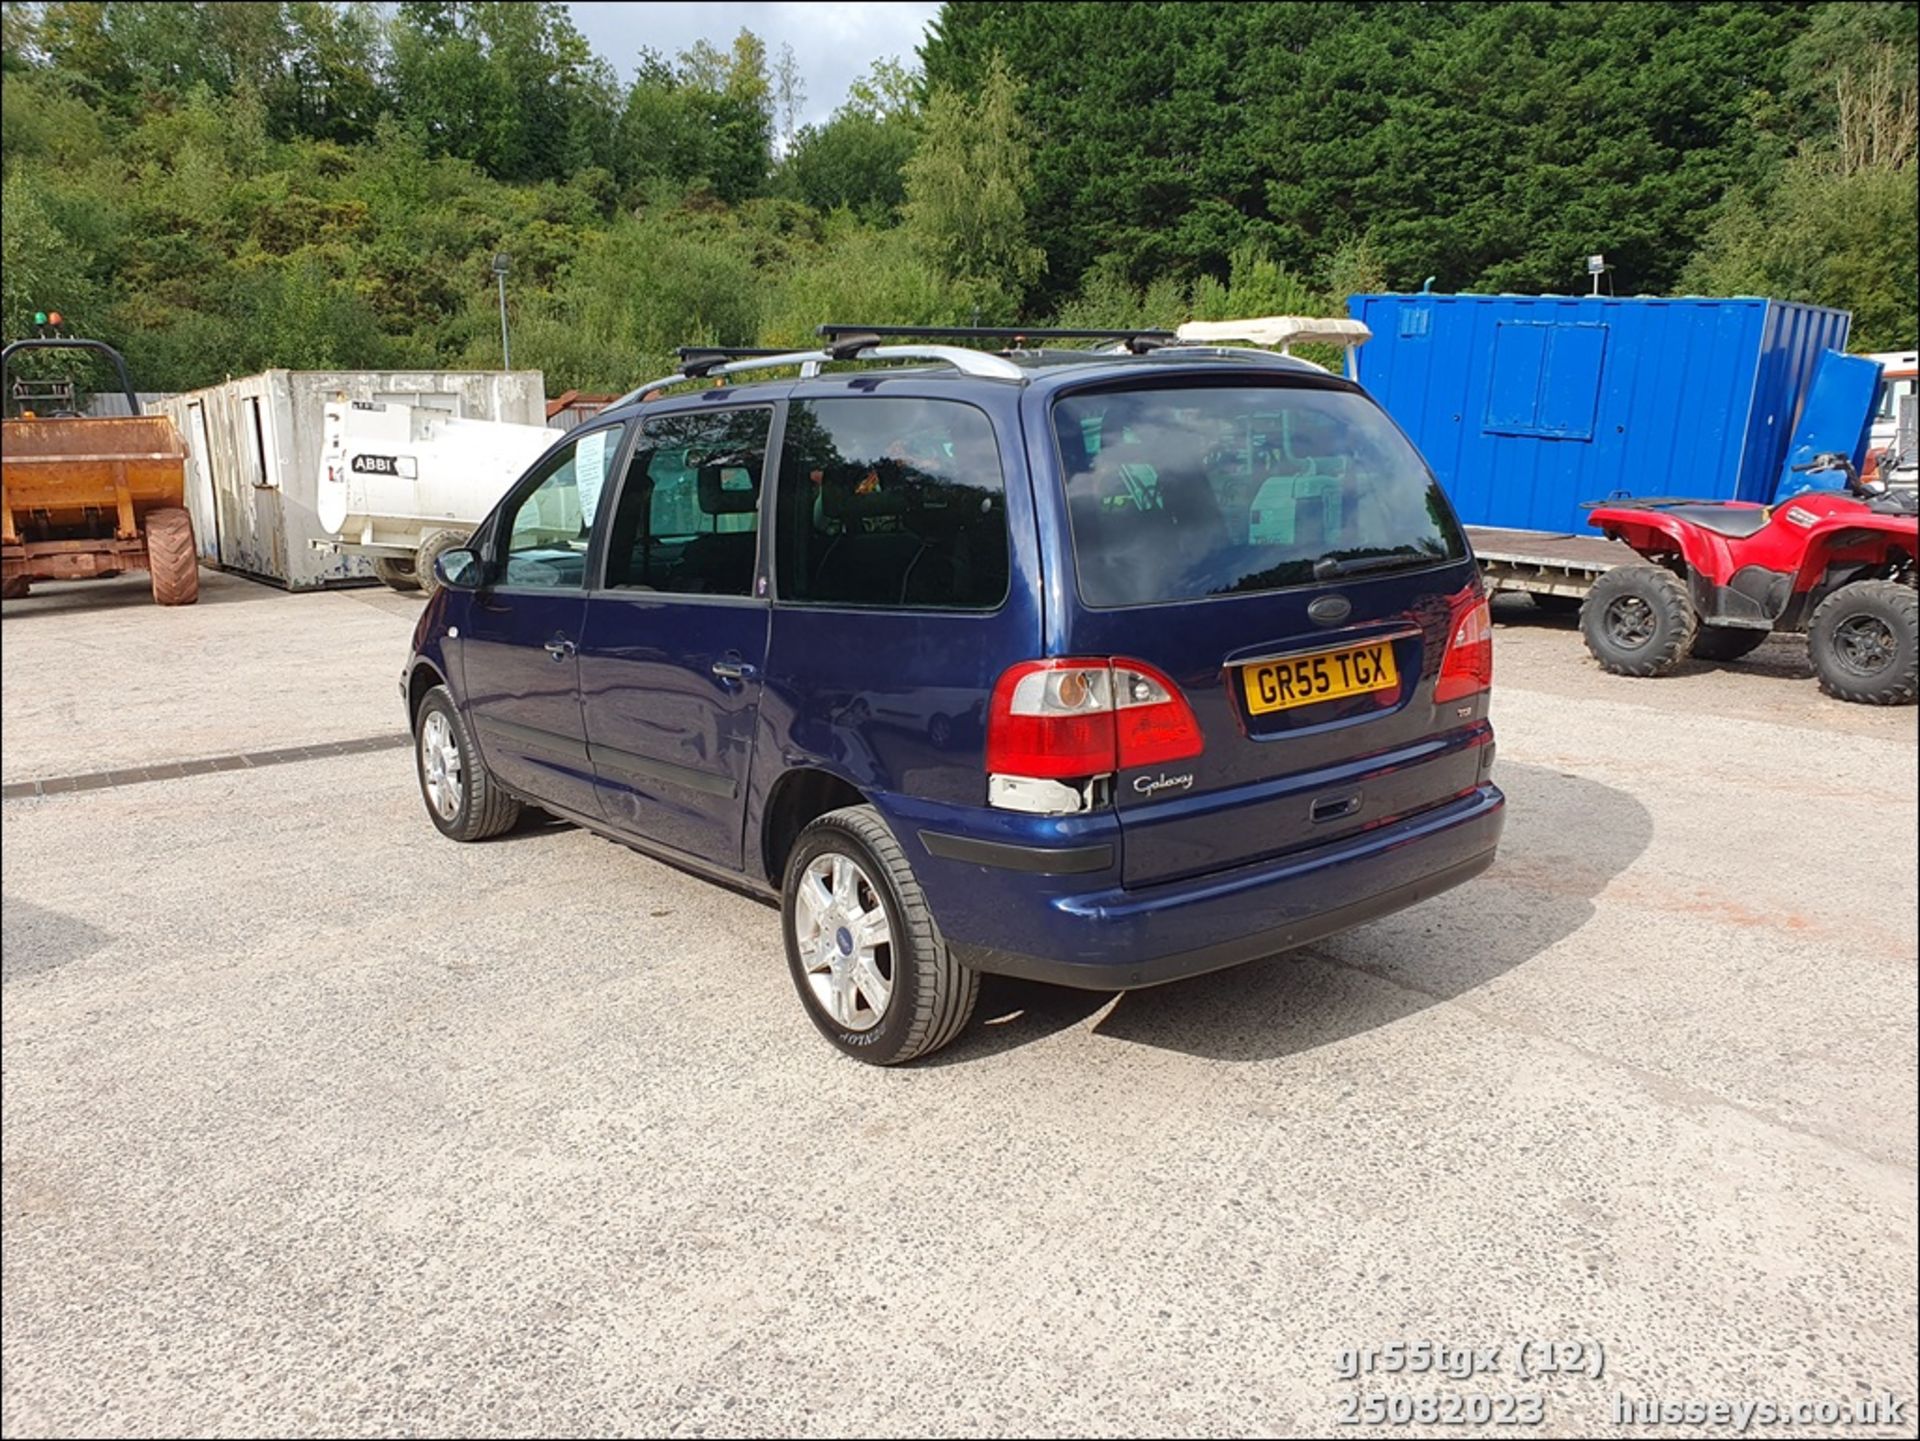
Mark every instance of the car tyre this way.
pixel 1637 620
pixel 463 799
pixel 1726 642
pixel 1863 643
pixel 847 884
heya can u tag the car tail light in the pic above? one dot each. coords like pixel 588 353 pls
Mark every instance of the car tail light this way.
pixel 1052 719
pixel 1077 718
pixel 1155 723
pixel 1467 667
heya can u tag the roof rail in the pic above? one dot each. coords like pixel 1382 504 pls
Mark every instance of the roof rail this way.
pixel 1137 341
pixel 699 362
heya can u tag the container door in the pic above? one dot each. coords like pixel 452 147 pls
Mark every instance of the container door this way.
pixel 202 504
pixel 1836 416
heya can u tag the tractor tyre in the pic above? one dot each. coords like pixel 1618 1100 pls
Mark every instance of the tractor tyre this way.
pixel 172 563
pixel 1726 642
pixel 430 551
pixel 1638 620
pixel 1865 643
pixel 396 574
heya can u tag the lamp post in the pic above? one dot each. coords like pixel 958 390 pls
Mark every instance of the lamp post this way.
pixel 502 262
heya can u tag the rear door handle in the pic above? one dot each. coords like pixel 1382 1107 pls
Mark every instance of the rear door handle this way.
pixel 731 669
pixel 1333 810
pixel 560 648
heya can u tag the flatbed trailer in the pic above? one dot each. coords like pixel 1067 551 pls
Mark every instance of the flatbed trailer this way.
pixel 1544 563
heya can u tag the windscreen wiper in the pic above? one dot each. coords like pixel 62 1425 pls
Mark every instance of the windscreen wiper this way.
pixel 1330 568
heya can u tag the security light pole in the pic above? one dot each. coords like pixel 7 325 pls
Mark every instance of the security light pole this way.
pixel 502 262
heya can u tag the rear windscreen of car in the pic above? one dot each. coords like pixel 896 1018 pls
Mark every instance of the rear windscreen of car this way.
pixel 1178 493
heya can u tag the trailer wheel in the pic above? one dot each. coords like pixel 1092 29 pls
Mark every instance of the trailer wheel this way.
pixel 396 573
pixel 1555 604
pixel 431 549
pixel 172 563
pixel 1726 642
pixel 15 587
pixel 1638 620
pixel 1863 643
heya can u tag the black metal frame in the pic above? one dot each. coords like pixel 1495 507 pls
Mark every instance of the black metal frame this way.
pixel 49 343
pixel 1137 341
pixel 699 360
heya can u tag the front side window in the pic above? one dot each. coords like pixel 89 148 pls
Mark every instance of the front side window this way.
pixel 547 532
pixel 1186 492
pixel 893 503
pixel 688 518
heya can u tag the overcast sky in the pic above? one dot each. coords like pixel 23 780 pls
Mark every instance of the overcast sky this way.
pixel 834 44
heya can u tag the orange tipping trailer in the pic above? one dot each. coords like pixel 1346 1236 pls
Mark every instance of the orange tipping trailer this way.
pixel 84 496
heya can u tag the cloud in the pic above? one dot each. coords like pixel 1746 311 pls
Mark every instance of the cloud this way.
pixel 833 44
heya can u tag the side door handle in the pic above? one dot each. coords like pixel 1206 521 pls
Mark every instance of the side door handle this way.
pixel 560 648
pixel 733 668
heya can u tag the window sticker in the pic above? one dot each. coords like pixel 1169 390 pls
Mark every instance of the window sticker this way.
pixel 590 472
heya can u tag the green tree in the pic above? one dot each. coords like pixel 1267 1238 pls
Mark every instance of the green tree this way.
pixel 857 159
pixel 513 87
pixel 1489 144
pixel 966 188
pixel 1839 227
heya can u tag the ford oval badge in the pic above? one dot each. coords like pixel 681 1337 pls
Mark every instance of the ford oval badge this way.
pixel 1330 609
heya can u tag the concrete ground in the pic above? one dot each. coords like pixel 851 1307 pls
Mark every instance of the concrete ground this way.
pixel 317 1123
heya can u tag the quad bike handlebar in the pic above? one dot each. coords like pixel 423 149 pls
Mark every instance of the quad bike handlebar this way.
pixel 1834 460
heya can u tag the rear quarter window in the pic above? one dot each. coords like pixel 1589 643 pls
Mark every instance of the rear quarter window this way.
pixel 891 503
pixel 1182 493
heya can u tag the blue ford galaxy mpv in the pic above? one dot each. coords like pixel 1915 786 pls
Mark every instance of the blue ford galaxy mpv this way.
pixel 1103 668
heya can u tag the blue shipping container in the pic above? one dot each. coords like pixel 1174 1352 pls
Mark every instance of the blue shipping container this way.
pixel 1527 405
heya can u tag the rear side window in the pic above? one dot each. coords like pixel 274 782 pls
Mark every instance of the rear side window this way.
pixel 892 503
pixel 1183 493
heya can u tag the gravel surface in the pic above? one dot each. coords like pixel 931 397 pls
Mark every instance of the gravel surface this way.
pixel 315 1122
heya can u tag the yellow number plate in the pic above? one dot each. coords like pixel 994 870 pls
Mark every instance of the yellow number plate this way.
pixel 1282 684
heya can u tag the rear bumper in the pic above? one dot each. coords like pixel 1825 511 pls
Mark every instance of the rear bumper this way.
pixel 1117 939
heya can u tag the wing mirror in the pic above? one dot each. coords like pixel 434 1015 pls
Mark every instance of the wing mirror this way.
pixel 458 569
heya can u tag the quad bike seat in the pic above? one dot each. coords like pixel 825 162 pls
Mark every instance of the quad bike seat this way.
pixel 1738 521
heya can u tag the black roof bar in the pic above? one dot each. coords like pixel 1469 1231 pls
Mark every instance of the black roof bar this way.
pixel 697 360
pixel 1135 340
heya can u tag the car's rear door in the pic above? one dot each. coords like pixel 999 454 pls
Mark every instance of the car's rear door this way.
pixel 676 636
pixel 1282 554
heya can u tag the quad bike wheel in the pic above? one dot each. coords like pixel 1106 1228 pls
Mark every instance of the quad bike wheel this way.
pixel 1726 642
pixel 1864 643
pixel 173 564
pixel 397 574
pixel 1637 620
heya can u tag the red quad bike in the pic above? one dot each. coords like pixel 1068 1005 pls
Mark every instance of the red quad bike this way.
pixel 1721 576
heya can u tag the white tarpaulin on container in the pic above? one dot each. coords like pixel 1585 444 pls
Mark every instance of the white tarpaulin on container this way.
pixel 1280 330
